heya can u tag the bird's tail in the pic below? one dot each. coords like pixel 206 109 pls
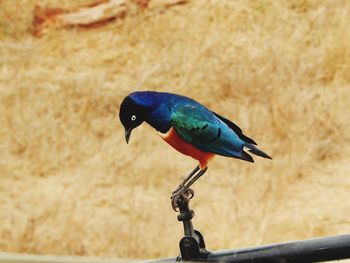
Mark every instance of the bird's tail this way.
pixel 253 149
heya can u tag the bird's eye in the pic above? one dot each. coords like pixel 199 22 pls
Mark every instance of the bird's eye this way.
pixel 133 117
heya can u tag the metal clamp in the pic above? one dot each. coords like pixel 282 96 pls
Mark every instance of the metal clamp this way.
pixel 192 245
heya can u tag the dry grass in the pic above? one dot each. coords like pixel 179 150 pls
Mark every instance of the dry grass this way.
pixel 70 185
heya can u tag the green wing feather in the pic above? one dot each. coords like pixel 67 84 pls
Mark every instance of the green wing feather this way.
pixel 202 129
pixel 212 133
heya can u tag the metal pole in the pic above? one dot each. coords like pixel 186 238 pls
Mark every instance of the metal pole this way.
pixel 305 251
pixel 313 250
pixel 192 247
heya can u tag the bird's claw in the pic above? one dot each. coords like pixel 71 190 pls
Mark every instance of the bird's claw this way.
pixel 190 193
pixel 181 195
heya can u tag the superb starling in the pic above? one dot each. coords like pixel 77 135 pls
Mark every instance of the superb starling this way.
pixel 190 128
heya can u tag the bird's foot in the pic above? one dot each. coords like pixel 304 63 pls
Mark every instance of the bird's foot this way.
pixel 181 194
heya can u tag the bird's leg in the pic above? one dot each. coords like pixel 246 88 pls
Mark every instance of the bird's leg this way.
pixel 187 178
pixel 195 178
pixel 183 190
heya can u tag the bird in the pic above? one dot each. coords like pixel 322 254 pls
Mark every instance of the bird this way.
pixel 190 128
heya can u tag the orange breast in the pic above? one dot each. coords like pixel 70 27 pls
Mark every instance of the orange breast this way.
pixel 172 138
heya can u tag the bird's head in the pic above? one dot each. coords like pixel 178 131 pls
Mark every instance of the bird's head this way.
pixel 131 115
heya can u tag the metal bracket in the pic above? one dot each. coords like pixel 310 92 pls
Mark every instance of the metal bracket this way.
pixel 192 245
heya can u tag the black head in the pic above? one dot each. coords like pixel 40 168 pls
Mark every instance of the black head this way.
pixel 131 115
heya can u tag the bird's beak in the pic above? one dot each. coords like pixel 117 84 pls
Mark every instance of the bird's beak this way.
pixel 127 135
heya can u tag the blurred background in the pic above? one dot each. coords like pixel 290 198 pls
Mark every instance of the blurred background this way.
pixel 70 185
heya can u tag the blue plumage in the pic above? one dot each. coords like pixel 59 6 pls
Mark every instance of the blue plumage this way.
pixel 194 123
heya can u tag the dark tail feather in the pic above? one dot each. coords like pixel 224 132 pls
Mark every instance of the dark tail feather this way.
pixel 256 151
pixel 245 156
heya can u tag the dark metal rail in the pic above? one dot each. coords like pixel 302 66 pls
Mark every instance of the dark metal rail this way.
pixel 192 247
pixel 313 250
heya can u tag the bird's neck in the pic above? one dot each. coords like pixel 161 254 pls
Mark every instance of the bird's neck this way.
pixel 159 119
